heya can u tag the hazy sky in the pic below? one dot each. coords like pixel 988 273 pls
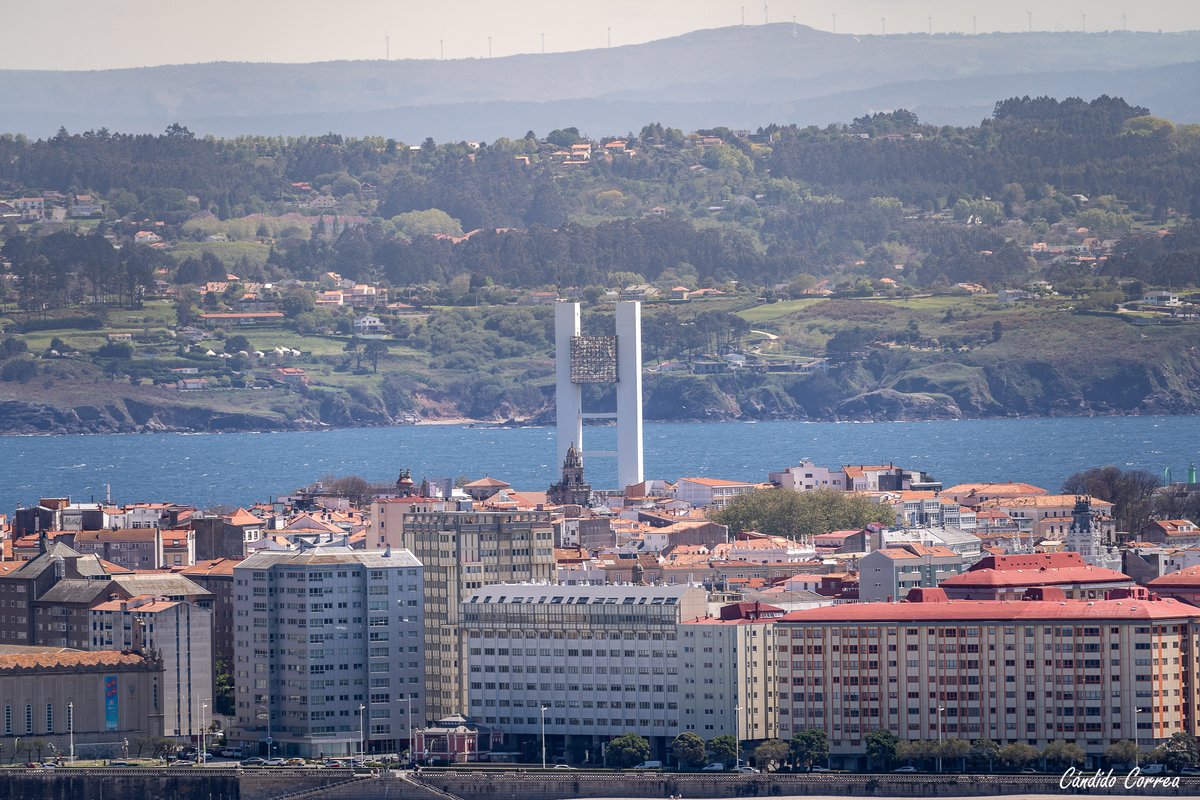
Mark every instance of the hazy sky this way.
pixel 84 34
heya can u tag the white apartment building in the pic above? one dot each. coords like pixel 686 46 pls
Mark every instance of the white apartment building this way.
pixel 181 632
pixel 808 477
pixel 711 493
pixel 729 672
pixel 328 650
pixel 601 660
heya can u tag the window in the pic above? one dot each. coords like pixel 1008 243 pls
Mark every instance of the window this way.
pixel 8 720
pixel 49 718
pixel 29 718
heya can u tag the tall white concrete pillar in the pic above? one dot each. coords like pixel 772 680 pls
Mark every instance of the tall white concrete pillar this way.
pixel 568 398
pixel 629 393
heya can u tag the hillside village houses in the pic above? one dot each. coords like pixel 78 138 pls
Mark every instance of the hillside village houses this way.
pixel 482 574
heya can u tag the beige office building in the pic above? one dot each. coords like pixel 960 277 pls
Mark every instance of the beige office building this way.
pixel 462 548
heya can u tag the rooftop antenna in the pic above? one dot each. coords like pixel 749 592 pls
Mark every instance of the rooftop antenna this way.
pixel 387 48
pixel 743 15
pixel 766 19
pixel 489 47
pixel 930 19
pixel 1083 21
pixel 794 31
pixel 442 49
pixel 883 26
pixel 1029 14
pixel 1124 27
pixel 835 22
pixel 974 29
pixel 543 44
pixel 610 36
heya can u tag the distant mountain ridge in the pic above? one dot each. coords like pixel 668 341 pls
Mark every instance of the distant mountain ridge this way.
pixel 739 77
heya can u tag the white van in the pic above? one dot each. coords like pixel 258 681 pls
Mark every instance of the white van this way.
pixel 649 765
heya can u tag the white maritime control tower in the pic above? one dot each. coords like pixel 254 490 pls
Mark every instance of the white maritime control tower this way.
pixel 600 359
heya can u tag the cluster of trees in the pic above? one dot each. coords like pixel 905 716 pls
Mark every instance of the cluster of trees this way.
pixel 812 200
pixel 63 269
pixel 783 512
pixel 1132 492
pixel 1171 260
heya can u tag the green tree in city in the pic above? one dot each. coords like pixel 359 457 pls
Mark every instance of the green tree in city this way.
pixel 809 747
pixel 984 751
pixel 771 754
pixel 783 512
pixel 1018 755
pixel 688 749
pixel 626 750
pixel 1060 755
pixel 724 748
pixel 881 748
pixel 1177 752
pixel 954 753
pixel 1124 752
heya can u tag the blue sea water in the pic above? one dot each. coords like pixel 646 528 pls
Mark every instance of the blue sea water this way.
pixel 239 468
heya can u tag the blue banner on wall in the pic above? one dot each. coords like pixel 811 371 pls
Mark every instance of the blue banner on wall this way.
pixel 111 703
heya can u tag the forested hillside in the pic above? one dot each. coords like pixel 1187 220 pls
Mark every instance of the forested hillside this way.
pixel 1070 207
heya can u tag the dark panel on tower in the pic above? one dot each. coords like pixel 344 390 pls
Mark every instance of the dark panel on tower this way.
pixel 593 359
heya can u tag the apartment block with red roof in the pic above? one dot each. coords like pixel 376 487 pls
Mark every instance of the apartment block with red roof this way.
pixel 1175 532
pixel 133 548
pixel 1090 672
pixel 974 494
pixel 1008 577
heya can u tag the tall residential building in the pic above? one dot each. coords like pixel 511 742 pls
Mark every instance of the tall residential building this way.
pixel 1088 671
pixel 328 654
pixel 461 550
pixel 180 634
pixel 729 673
pixel 602 661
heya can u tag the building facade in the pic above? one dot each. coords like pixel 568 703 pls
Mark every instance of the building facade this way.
pixel 100 699
pixel 890 573
pixel 180 636
pixel 601 661
pixel 1091 672
pixel 328 651
pixel 461 550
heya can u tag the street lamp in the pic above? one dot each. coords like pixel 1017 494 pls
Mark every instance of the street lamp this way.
pixel 408 724
pixel 71 728
pixel 362 750
pixel 940 709
pixel 1137 746
pixel 544 710
pixel 737 736
pixel 202 755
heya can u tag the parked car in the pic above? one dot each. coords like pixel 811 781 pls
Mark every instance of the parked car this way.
pixel 908 768
pixel 335 764
pixel 563 766
pixel 716 766
pixel 181 763
pixel 649 765
pixel 1153 769
pixel 275 762
pixel 254 762
pixel 1189 771
pixel 111 764
pixel 818 769
pixel 749 769
pixel 296 762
